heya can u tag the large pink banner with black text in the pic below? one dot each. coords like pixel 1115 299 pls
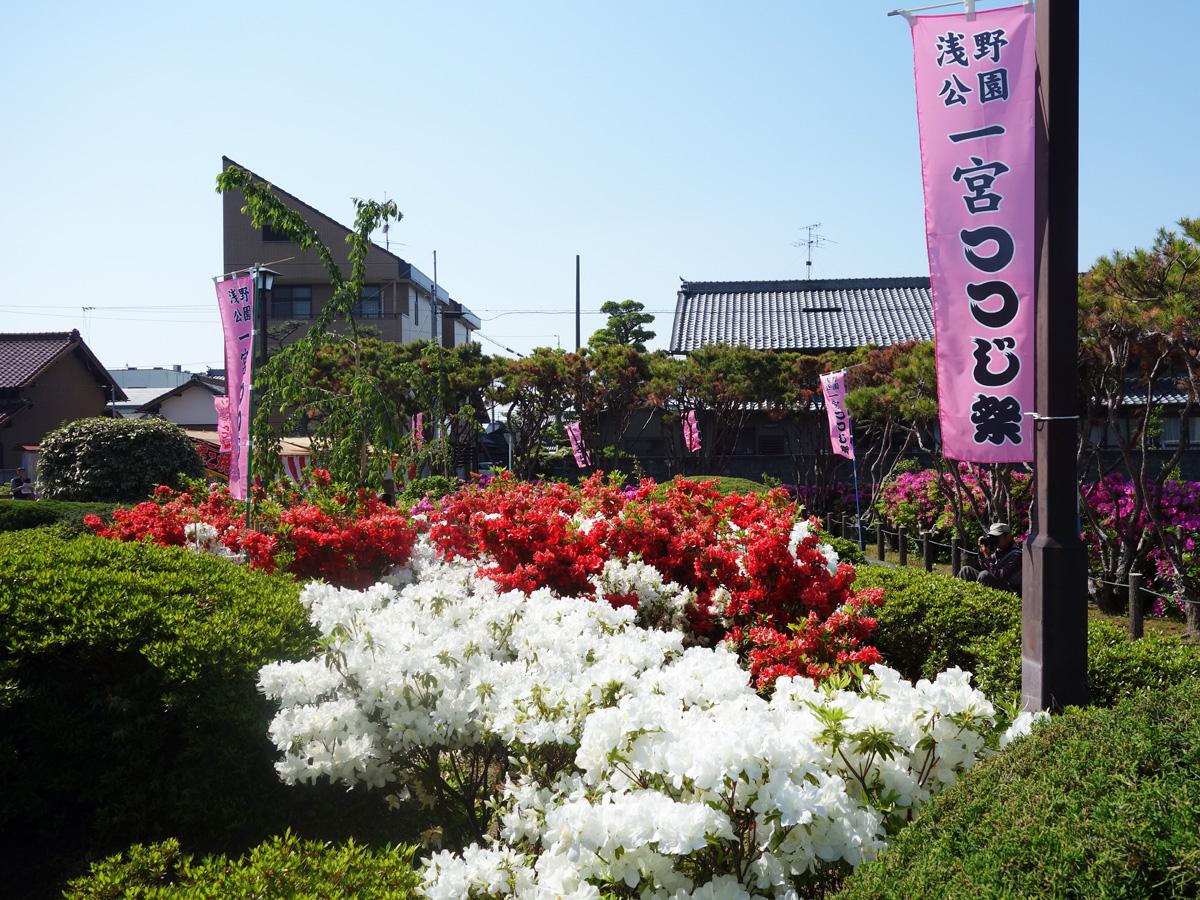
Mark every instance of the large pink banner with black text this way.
pixel 236 300
pixel 976 112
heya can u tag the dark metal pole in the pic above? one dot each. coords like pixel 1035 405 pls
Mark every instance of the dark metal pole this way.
pixel 1054 599
pixel 578 344
pixel 1136 628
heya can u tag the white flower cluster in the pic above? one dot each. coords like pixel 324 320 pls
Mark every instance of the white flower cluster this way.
pixel 801 532
pixel 635 762
pixel 204 538
pixel 661 604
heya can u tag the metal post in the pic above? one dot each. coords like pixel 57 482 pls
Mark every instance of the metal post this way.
pixel 903 548
pixel 880 548
pixel 927 551
pixel 1054 600
pixel 862 540
pixel 578 342
pixel 1135 606
pixel 829 523
pixel 955 556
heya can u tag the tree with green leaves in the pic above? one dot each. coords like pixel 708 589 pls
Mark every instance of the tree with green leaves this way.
pixel 625 327
pixel 345 419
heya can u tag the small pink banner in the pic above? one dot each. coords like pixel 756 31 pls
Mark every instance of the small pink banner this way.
pixel 417 426
pixel 691 432
pixel 976 113
pixel 841 438
pixel 224 441
pixel 236 300
pixel 583 459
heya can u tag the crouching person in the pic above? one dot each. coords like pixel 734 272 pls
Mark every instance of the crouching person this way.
pixel 999 561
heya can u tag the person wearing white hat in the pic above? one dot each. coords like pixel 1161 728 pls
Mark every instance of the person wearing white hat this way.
pixel 999 560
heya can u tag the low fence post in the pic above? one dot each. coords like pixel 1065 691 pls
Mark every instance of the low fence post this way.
pixel 862 535
pixel 829 523
pixel 955 556
pixel 927 551
pixel 903 548
pixel 880 546
pixel 1135 606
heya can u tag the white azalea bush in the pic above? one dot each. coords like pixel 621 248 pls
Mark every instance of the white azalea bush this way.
pixel 589 756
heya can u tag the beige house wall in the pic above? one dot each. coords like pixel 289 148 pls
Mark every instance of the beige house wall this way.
pixel 63 393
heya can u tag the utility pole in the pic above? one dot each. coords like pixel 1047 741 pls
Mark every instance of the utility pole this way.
pixel 1054 579
pixel 578 343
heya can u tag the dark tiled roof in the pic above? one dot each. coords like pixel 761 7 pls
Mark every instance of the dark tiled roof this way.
pixel 830 314
pixel 211 383
pixel 25 355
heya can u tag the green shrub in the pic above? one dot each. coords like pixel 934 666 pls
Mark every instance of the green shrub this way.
pixel 115 459
pixel 129 708
pixel 731 485
pixel 847 550
pixel 281 867
pixel 929 622
pixel 18 514
pixel 436 486
pixel 1098 803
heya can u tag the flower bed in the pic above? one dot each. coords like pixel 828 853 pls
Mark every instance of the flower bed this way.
pixel 629 763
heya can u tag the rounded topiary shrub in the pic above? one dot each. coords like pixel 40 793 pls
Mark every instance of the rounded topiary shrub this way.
pixel 284 866
pixel 1098 803
pixel 130 712
pixel 115 459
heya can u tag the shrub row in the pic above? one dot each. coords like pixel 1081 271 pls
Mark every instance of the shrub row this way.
pixel 1098 803
pixel 281 867
pixel 18 514
pixel 929 622
pixel 129 708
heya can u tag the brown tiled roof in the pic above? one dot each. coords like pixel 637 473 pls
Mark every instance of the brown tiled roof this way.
pixel 26 355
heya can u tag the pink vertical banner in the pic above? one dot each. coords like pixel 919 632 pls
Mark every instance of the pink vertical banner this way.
pixel 417 426
pixel 976 113
pixel 224 439
pixel 583 459
pixel 691 432
pixel 841 438
pixel 235 297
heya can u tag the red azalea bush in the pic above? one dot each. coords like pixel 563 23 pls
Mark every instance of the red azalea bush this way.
pixel 345 539
pixel 765 588
pixel 757 578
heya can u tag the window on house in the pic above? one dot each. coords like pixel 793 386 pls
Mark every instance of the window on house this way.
pixel 772 443
pixel 289 301
pixel 1170 431
pixel 270 235
pixel 370 304
pixel 1194 431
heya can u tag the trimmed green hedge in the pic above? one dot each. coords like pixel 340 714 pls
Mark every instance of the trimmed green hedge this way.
pixel 129 708
pixel 930 622
pixel 726 485
pixel 281 867
pixel 18 514
pixel 1098 803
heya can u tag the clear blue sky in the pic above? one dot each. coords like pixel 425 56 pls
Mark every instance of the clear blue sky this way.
pixel 658 140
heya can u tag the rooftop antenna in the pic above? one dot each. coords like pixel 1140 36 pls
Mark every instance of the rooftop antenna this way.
pixel 814 240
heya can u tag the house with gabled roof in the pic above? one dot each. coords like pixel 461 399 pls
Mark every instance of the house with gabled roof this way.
pixel 399 301
pixel 46 380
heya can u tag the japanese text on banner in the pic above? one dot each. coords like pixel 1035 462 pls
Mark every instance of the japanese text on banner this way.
pixel 235 297
pixel 976 112
pixel 841 439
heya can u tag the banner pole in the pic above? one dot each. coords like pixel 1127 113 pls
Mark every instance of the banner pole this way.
pixel 857 501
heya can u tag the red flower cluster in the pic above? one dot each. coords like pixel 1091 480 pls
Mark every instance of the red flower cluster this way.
pixel 348 541
pixel 780 606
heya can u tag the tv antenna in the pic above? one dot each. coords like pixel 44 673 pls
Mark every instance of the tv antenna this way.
pixel 813 240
